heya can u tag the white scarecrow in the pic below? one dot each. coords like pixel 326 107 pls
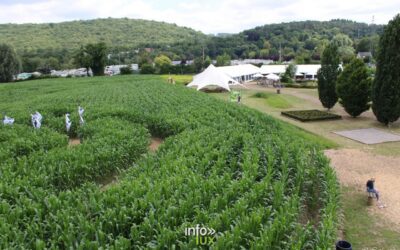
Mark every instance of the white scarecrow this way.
pixel 8 120
pixel 81 111
pixel 68 122
pixel 36 120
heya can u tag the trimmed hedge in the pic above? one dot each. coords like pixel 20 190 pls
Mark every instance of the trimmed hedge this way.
pixel 311 115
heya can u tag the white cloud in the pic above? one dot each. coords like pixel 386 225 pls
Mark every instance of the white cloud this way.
pixel 208 16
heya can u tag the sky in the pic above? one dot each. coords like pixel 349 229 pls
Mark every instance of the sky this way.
pixel 208 16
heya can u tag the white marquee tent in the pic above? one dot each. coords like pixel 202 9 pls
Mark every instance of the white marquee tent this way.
pixel 212 76
pixel 273 77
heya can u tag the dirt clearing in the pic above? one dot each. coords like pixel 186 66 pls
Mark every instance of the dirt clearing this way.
pixel 74 142
pixel 354 167
pixel 155 143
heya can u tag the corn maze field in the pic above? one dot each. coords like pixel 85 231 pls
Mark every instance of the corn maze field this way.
pixel 235 170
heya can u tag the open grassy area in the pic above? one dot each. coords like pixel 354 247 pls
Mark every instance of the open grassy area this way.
pixel 179 79
pixel 273 100
pixel 362 230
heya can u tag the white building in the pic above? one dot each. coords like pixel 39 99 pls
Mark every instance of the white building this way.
pixel 307 71
pixel 303 71
pixel 240 73
pixel 252 61
pixel 273 69
pixel 116 69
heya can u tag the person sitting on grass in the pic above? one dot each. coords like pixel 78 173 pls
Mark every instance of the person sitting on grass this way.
pixel 371 188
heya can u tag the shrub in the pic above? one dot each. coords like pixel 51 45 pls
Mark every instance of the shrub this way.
pixel 9 64
pixel 147 69
pixel 311 115
pixel 126 71
pixel 354 87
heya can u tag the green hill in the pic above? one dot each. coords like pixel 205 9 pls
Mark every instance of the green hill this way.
pixel 122 32
pixel 52 45
pixel 303 40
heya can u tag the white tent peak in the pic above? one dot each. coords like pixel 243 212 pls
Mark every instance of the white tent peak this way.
pixel 212 76
pixel 273 76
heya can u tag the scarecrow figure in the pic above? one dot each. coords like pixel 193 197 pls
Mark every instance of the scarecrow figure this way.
pixel 68 122
pixel 36 120
pixel 81 111
pixel 8 120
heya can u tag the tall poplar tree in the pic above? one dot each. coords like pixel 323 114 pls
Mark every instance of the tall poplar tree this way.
pixel 386 85
pixel 327 76
pixel 9 63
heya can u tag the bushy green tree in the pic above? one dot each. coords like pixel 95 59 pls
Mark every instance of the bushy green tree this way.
pixel 354 88
pixel 31 64
pixel 147 68
pixel 162 64
pixel 345 47
pixel 144 58
pixel 94 56
pixel 327 76
pixel 98 55
pixel 126 70
pixel 386 85
pixel 290 73
pixel 9 63
pixel 199 65
pixel 223 60
pixel 83 59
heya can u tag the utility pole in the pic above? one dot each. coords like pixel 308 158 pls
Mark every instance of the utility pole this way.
pixel 371 47
pixel 203 55
pixel 280 52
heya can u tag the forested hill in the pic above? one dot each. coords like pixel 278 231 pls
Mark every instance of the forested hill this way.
pixel 326 29
pixel 52 45
pixel 303 40
pixel 124 32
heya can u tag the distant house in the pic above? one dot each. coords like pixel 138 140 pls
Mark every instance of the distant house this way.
pixel 149 50
pixel 363 55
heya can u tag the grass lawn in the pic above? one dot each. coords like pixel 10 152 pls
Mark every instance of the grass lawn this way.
pixel 179 79
pixel 363 230
pixel 273 100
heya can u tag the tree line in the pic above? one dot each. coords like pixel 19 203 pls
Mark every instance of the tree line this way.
pixel 42 47
pixel 353 87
